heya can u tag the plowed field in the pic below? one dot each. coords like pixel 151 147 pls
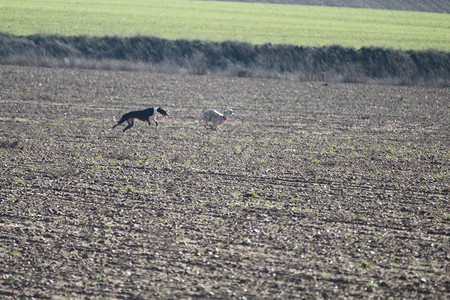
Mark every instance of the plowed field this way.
pixel 310 190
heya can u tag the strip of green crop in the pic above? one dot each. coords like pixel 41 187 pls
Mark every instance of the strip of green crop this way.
pixel 256 23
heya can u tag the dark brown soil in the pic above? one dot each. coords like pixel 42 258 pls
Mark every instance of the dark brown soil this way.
pixel 311 190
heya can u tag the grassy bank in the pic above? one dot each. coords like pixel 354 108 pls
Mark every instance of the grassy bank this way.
pixel 255 23
pixel 333 63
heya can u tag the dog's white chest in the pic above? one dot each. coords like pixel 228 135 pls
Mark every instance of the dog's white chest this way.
pixel 152 117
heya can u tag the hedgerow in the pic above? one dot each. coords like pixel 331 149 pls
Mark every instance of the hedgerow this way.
pixel 330 63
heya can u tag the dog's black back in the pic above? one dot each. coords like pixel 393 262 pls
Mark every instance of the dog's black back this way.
pixel 142 115
pixel 145 115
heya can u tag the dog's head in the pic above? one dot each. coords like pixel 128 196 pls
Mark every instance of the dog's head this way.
pixel 163 112
pixel 229 112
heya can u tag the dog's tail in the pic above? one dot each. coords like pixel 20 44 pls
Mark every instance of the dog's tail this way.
pixel 123 119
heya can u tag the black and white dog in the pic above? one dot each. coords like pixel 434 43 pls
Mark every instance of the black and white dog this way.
pixel 148 115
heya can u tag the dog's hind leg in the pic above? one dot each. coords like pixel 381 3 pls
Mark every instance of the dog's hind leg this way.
pixel 130 124
pixel 206 125
pixel 118 123
pixel 123 119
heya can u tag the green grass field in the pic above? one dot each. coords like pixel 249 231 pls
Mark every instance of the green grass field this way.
pixel 218 21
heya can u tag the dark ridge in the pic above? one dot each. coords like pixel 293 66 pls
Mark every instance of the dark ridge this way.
pixel 435 6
